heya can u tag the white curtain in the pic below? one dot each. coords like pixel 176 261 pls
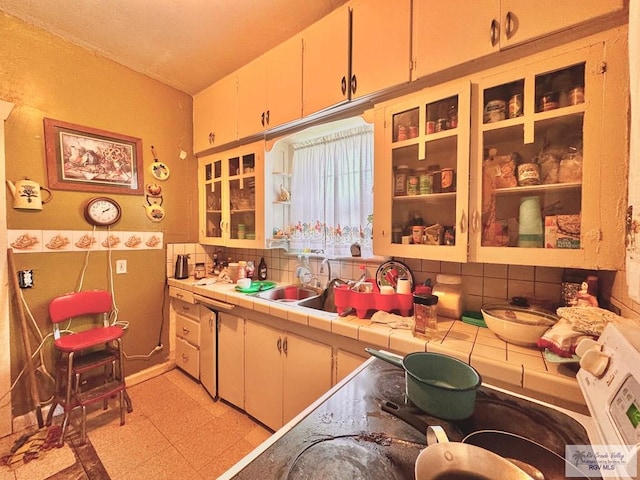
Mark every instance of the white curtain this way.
pixel 332 192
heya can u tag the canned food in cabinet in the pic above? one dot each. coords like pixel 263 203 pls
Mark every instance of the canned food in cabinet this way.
pixel 494 111
pixel 431 127
pixel 515 106
pixel 447 180
pixel 413 131
pixel 441 124
pixel 402 133
pixel 550 101
pixel 400 178
pixel 576 96
pixel 413 185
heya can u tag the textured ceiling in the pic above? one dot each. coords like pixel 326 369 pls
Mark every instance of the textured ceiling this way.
pixel 188 44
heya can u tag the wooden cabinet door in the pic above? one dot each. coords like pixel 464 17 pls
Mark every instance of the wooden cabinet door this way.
pixel 252 97
pixel 208 353
pixel 225 110
pixel 347 362
pixel 307 373
pixel 284 83
pixel 524 21
pixel 325 62
pixel 203 120
pixel 453 32
pixel 231 359
pixel 380 45
pixel 263 378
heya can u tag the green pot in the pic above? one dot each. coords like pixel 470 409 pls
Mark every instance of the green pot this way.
pixel 437 384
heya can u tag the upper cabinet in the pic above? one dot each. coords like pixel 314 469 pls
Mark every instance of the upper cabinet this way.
pixel 270 89
pixel 421 174
pixel 231 186
pixel 541 196
pixel 325 62
pixel 215 115
pixel 346 56
pixel 450 33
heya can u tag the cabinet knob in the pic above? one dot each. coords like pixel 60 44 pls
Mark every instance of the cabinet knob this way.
pixel 185 358
pixel 511 24
pixel 343 85
pixel 284 346
pixel 267 117
pixel 185 331
pixel 279 345
pixel 494 32
pixel 262 119
pixel 354 84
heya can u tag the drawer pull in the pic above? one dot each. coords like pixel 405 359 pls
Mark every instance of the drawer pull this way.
pixel 185 330
pixel 185 358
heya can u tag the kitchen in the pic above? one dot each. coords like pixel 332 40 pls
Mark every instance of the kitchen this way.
pixel 61 100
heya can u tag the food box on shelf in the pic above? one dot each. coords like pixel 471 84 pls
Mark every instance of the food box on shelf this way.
pixel 562 231
pixel 365 303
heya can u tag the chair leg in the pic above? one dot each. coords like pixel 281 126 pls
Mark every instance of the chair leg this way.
pixel 67 405
pixel 83 426
pixel 122 402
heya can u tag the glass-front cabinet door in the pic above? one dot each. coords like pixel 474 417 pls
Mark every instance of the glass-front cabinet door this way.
pixel 231 193
pixel 421 174
pixel 536 185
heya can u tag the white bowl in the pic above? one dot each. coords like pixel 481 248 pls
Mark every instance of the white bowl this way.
pixel 517 325
pixel 244 283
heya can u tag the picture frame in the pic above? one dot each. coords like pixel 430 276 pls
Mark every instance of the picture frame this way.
pixel 91 160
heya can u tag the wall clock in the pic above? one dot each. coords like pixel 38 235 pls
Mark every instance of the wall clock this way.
pixel 102 211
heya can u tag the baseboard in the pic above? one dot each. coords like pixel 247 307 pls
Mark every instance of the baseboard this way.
pixel 29 420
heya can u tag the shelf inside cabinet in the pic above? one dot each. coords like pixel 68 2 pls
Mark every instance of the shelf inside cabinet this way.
pixel 428 196
pixel 530 189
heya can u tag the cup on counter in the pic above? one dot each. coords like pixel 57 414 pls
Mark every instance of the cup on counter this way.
pixel 386 290
pixel 233 270
pixel 403 286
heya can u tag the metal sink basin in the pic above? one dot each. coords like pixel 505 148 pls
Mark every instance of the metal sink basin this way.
pixel 289 293
pixel 319 303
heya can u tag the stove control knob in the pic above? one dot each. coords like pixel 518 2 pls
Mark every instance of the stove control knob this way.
pixel 595 362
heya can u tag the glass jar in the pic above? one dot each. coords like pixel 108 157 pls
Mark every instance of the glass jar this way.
pixel 425 324
pixel 448 289
pixel 401 178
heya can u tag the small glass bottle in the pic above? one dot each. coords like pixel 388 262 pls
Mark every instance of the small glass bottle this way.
pixel 262 269
pixel 425 316
pixel 199 271
pixel 250 268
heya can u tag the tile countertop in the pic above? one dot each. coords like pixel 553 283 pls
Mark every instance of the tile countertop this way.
pixel 519 369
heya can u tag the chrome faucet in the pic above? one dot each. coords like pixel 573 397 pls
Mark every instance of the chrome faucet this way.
pixel 326 262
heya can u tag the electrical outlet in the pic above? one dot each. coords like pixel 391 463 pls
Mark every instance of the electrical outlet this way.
pixel 121 266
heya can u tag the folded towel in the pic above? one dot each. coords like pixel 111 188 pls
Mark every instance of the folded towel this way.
pixel 392 320
pixel 562 339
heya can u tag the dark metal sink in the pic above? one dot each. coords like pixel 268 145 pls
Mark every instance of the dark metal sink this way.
pixel 289 293
pixel 318 303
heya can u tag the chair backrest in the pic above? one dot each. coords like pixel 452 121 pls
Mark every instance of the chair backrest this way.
pixel 75 304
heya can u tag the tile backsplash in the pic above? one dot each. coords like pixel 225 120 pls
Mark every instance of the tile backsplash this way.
pixel 481 282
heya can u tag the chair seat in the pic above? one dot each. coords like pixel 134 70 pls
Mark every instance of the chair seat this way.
pixel 88 338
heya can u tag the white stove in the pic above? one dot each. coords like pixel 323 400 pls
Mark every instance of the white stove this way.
pixel 610 383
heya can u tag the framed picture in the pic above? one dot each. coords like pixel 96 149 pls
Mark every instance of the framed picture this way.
pixel 91 160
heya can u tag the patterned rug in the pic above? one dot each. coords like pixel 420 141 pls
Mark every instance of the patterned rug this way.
pixel 36 455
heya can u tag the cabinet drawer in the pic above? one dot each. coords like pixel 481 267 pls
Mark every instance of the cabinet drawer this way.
pixel 186 309
pixel 180 294
pixel 188 358
pixel 188 330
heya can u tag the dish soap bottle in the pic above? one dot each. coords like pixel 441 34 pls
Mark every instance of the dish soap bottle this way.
pixel 262 269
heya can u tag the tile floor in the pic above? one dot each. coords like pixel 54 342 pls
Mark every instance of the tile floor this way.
pixel 175 431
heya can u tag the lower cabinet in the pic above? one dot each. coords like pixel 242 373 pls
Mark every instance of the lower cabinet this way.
pixel 284 373
pixel 231 366
pixel 347 362
pixel 186 313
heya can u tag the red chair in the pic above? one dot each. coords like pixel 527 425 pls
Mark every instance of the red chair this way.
pixel 97 346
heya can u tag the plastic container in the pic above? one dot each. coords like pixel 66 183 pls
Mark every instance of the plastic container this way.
pixel 425 316
pixel 448 289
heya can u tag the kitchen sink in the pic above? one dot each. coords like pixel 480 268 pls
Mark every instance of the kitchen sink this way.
pixel 318 303
pixel 289 293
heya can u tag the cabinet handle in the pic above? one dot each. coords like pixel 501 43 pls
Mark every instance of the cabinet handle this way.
pixel 185 358
pixel 279 344
pixel 493 32
pixel 267 117
pixel 284 346
pixel 212 138
pixel 463 222
pixel 185 330
pixel 186 309
pixel 262 119
pixel 354 84
pixel 179 295
pixel 510 26
pixel 474 221
pixel 343 85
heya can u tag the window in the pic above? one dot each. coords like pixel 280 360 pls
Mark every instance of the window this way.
pixel 332 192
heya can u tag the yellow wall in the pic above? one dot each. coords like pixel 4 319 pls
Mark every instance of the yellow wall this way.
pixel 48 77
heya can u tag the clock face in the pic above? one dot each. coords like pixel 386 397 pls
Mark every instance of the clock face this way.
pixel 102 211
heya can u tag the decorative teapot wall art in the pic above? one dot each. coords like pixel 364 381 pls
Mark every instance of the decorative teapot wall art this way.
pixel 27 194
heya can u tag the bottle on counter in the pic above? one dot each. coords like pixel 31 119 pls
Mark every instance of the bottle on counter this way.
pixel 251 269
pixel 425 324
pixel 262 269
